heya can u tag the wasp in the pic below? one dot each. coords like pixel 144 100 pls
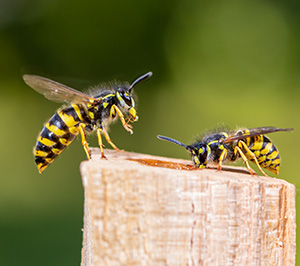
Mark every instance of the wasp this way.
pixel 248 144
pixel 87 112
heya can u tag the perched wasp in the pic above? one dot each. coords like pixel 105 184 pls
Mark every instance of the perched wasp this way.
pixel 85 114
pixel 248 144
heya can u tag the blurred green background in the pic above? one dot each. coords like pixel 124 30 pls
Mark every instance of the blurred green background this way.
pixel 214 62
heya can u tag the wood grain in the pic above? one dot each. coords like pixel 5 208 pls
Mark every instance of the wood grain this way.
pixel 137 214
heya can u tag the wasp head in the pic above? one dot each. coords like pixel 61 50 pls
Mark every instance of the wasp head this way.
pixel 126 102
pixel 125 96
pixel 199 151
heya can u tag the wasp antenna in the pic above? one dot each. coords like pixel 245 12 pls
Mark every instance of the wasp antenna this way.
pixel 139 80
pixel 173 141
pixel 288 129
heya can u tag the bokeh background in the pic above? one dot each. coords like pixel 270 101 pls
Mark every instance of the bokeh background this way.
pixel 216 62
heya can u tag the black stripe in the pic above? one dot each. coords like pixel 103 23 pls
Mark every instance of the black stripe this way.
pixel 270 151
pixel 84 115
pixel 52 155
pixel 42 147
pixel 39 160
pixel 263 163
pixel 68 136
pixel 59 146
pixel 265 141
pixel 251 142
pixel 71 112
pixel 273 149
pixel 46 133
pixel 260 155
pixel 58 122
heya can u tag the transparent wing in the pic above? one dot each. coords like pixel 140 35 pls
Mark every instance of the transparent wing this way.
pixel 254 132
pixel 55 91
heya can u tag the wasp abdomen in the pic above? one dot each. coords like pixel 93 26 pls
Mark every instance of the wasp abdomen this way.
pixel 57 134
pixel 265 152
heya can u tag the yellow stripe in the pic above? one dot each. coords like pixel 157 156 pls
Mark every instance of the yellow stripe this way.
pixel 64 141
pixel 74 130
pixel 40 153
pixel 274 169
pixel 257 145
pixel 69 120
pixel 259 138
pixel 247 141
pixel 213 141
pixel 256 153
pixel 91 115
pixel 267 148
pixel 45 141
pixel 56 151
pixel 261 159
pixel 108 95
pixel 41 167
pixel 273 155
pixel 276 161
pixel 77 110
pixel 266 164
pixel 49 160
pixel 55 130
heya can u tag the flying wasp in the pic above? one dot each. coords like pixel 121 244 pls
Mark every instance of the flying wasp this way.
pixel 87 112
pixel 248 144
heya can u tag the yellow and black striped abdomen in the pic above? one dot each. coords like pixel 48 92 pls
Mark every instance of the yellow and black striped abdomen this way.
pixel 57 134
pixel 265 152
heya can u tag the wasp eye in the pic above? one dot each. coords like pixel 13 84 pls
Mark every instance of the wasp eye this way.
pixel 126 98
pixel 201 150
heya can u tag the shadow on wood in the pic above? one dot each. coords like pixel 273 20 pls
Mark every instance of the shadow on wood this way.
pixel 137 214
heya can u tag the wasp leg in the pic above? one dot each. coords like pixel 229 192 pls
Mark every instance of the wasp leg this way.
pixel 99 130
pixel 221 159
pixel 83 141
pixel 120 114
pixel 245 160
pixel 109 140
pixel 253 157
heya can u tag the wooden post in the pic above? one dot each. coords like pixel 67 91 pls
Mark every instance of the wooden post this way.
pixel 139 214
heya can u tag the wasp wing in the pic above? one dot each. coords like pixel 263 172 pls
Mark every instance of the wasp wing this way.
pixel 55 91
pixel 254 132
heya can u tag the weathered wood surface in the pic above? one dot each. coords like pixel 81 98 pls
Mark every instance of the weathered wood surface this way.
pixel 137 214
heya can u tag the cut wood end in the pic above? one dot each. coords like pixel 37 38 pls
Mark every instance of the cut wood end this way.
pixel 149 210
pixel 137 160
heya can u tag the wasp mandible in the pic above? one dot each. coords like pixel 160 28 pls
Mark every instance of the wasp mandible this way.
pixel 248 144
pixel 87 112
